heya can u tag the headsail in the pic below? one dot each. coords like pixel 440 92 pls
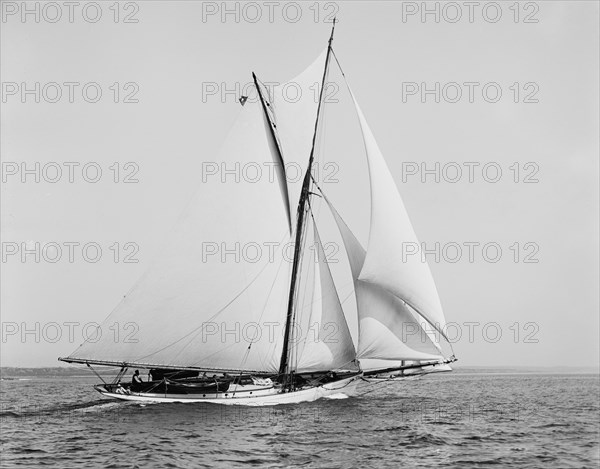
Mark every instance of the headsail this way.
pixel 386 265
pixel 326 343
pixel 387 327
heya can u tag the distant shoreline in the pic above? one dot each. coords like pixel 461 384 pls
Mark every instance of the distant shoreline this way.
pixel 6 373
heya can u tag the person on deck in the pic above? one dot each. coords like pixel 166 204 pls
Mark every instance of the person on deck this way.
pixel 136 381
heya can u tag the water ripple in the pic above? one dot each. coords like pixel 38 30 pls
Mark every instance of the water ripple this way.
pixel 481 420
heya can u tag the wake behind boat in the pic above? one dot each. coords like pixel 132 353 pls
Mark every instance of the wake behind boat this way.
pixel 208 326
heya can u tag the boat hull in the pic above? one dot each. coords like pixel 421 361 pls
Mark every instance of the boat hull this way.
pixel 247 395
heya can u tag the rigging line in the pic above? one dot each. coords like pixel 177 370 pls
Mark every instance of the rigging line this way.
pixel 199 328
pixel 332 209
pixel 215 353
pixel 338 63
pixel 322 296
pixel 416 315
pixel 271 100
pixel 372 385
pixel 387 381
pixel 320 152
pixel 312 302
pixel 335 212
pixel 348 296
pixel 296 272
pixel 262 313
pixel 287 355
pixel 294 355
pixel 239 378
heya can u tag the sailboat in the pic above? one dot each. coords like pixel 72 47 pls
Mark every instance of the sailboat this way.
pixel 216 326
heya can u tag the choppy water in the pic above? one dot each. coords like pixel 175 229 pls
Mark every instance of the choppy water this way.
pixel 456 419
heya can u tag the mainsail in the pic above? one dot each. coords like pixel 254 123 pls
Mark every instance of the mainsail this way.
pixel 221 276
pixel 225 294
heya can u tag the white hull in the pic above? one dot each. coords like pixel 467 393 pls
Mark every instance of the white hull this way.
pixel 249 395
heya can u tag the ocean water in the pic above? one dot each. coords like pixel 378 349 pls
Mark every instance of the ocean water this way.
pixel 460 420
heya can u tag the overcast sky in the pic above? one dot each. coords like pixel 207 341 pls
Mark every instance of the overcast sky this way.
pixel 541 293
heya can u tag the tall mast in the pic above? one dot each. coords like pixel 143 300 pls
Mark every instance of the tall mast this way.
pixel 304 195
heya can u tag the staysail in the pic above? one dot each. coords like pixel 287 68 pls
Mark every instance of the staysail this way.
pixel 325 338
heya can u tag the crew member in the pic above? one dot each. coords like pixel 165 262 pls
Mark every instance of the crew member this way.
pixel 136 381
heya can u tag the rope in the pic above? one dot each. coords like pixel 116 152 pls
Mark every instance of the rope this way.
pixel 372 384
pixel 338 63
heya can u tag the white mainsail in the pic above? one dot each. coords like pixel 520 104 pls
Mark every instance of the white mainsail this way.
pixel 221 275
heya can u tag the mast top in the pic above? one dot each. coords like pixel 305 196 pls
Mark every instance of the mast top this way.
pixel 332 30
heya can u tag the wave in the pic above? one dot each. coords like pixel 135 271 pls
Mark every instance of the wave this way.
pixel 28 411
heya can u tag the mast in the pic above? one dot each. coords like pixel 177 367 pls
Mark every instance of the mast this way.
pixel 304 196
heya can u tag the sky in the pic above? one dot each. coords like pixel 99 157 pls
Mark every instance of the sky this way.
pixel 508 91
